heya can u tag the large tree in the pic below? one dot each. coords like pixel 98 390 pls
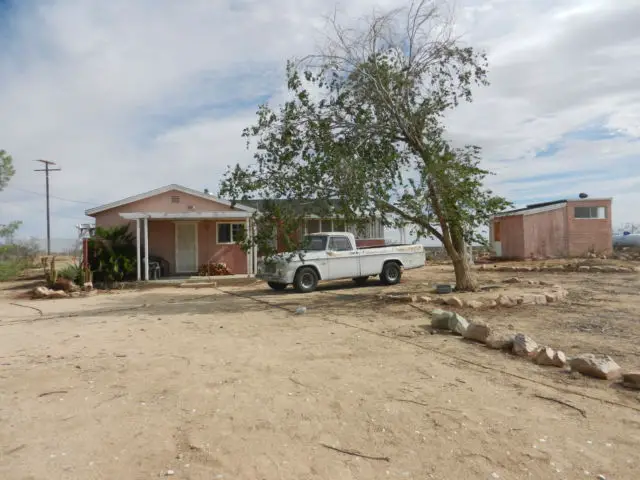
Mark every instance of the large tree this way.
pixel 6 169
pixel 363 124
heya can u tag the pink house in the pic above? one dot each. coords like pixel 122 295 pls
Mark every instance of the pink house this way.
pixel 185 227
pixel 188 228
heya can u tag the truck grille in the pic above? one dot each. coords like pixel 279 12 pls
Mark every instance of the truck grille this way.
pixel 269 268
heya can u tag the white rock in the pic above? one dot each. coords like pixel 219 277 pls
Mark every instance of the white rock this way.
pixel 478 331
pixel 632 380
pixel 533 299
pixel 41 292
pixel 597 366
pixel 505 301
pixel 524 346
pixel 475 304
pixel 454 302
pixel 545 356
pixel 458 324
pixel 500 341
pixel 559 359
pixel 301 310
pixel 440 319
pixel 57 294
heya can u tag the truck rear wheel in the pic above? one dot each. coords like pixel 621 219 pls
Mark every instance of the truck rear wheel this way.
pixel 391 273
pixel 277 286
pixel 306 280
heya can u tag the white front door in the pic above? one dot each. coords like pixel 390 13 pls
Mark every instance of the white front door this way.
pixel 186 247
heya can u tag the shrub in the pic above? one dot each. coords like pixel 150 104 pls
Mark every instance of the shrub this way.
pixel 73 273
pixel 213 268
pixel 112 255
pixel 15 258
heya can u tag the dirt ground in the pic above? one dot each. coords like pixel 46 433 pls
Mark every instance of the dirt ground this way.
pixel 230 384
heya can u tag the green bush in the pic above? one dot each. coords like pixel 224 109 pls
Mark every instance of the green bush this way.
pixel 15 258
pixel 73 273
pixel 112 255
pixel 12 269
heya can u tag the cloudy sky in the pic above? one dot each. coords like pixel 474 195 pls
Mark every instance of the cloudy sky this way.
pixel 127 96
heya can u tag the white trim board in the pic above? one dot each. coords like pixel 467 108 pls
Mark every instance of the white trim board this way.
pixel 186 215
pixel 161 190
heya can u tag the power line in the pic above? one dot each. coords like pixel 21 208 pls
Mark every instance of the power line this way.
pixel 52 196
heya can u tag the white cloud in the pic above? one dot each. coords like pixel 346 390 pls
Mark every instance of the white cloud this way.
pixel 128 96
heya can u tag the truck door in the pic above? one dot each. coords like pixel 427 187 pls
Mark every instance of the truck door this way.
pixel 342 258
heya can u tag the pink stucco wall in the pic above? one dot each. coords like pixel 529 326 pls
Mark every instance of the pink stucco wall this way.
pixel 162 232
pixel 591 234
pixel 210 251
pixel 511 236
pixel 545 234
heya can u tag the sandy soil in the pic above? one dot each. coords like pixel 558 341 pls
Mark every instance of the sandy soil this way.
pixel 231 384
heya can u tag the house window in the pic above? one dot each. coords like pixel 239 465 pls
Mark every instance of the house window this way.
pixel 175 199
pixel 339 226
pixel 339 244
pixel 230 232
pixel 326 226
pixel 313 226
pixel 590 212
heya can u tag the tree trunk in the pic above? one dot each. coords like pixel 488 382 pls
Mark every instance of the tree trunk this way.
pixel 465 278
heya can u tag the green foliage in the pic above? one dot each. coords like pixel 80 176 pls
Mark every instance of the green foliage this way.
pixel 6 169
pixel 15 257
pixel 112 255
pixel 364 126
pixel 74 273
pixel 12 269
pixel 9 230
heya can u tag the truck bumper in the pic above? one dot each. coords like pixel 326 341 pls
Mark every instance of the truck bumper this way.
pixel 273 277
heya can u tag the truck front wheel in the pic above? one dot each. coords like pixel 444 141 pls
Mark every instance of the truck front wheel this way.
pixel 306 280
pixel 391 273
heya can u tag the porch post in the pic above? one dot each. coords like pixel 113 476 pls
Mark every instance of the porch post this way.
pixel 254 254
pixel 146 248
pixel 247 231
pixel 138 248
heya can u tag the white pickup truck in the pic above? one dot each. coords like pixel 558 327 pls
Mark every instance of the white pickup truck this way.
pixel 333 256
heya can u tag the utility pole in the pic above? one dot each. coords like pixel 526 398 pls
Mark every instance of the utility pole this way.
pixel 46 171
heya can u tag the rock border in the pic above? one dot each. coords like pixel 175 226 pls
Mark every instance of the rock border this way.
pixel 553 295
pixel 569 267
pixel 599 366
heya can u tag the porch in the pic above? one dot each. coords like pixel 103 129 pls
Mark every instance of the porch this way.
pixel 191 239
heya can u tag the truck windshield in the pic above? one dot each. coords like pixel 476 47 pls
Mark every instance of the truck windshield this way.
pixel 315 243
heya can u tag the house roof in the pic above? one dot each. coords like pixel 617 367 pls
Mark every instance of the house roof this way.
pixel 165 189
pixel 534 208
pixel 545 206
pixel 310 206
